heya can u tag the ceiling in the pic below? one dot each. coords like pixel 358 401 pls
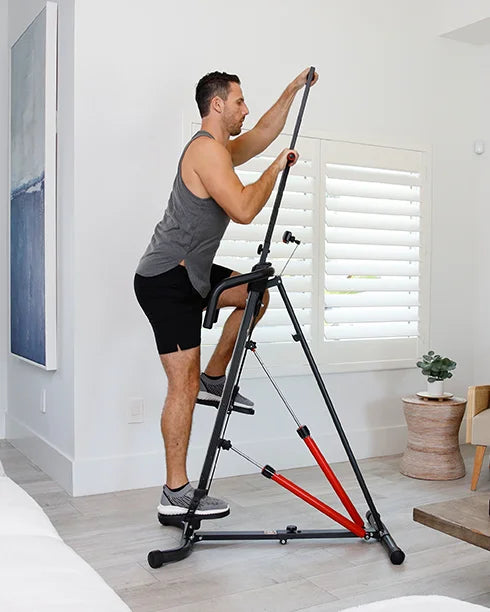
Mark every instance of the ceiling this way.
pixel 477 33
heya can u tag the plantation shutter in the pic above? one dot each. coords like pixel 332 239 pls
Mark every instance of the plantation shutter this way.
pixel 359 280
pixel 373 200
pixel 238 249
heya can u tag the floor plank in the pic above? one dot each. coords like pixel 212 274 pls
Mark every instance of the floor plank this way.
pixel 115 531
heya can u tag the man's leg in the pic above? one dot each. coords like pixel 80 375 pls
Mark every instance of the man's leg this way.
pixel 236 296
pixel 182 369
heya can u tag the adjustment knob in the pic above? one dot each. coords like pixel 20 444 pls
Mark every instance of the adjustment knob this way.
pixel 288 237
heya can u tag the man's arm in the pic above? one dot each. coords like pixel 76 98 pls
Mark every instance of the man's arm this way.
pixel 241 203
pixel 269 127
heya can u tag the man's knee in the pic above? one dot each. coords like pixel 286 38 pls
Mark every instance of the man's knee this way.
pixel 184 383
pixel 183 376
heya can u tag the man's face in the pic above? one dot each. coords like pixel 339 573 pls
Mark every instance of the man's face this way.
pixel 235 110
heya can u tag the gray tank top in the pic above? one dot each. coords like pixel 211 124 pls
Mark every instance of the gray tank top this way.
pixel 191 230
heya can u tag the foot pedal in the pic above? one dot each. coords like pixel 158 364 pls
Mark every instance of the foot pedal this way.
pixel 180 520
pixel 170 521
pixel 241 409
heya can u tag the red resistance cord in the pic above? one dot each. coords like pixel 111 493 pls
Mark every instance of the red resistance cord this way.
pixel 356 525
pixel 319 505
pixel 327 470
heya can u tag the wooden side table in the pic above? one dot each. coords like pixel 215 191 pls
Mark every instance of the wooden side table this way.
pixel 432 451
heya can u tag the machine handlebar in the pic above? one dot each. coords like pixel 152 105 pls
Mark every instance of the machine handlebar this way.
pixel 233 281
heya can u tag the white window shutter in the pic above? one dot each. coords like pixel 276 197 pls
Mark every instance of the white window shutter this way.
pixel 238 249
pixel 358 282
pixel 372 213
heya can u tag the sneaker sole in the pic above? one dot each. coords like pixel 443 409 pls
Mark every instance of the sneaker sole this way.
pixel 209 399
pixel 180 512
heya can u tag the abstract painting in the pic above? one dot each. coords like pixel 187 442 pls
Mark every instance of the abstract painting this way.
pixel 33 191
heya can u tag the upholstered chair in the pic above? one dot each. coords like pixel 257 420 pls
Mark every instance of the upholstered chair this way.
pixel 478 425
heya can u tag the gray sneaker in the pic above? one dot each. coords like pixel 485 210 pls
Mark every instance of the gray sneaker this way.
pixel 211 390
pixel 177 504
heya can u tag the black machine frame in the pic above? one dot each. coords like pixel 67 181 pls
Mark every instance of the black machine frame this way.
pixel 263 277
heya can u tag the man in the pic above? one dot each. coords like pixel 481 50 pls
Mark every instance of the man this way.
pixel 176 273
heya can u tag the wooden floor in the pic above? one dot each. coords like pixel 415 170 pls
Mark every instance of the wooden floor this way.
pixel 115 531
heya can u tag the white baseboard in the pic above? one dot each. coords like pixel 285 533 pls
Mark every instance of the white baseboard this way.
pixel 105 474
pixel 2 424
pixel 43 454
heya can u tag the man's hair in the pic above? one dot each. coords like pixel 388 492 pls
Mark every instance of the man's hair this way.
pixel 211 85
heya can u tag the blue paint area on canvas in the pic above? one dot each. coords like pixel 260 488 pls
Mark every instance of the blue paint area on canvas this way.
pixel 28 333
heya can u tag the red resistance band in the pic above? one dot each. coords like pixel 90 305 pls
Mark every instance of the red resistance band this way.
pixel 356 526
pixel 327 470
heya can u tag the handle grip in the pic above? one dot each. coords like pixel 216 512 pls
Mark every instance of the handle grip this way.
pixel 282 184
pixel 233 281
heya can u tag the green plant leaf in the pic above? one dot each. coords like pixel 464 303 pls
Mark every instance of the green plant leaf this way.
pixel 436 367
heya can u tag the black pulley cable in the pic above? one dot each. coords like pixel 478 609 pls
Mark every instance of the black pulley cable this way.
pixel 276 387
pixel 265 248
pixel 235 450
pixel 287 237
pixel 289 259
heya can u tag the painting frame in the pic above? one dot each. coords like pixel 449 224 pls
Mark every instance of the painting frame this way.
pixel 32 191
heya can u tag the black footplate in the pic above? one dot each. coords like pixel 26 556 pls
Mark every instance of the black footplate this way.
pixel 179 520
pixel 241 409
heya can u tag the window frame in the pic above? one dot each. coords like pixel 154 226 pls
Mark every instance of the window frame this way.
pixel 346 363
pixel 287 359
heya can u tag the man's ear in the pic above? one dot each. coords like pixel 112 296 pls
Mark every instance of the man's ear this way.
pixel 217 104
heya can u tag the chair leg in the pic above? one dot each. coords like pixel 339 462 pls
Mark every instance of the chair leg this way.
pixel 480 451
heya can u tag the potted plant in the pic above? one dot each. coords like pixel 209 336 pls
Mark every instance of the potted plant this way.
pixel 433 422
pixel 437 369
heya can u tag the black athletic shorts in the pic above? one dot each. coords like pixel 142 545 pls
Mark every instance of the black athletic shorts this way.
pixel 173 307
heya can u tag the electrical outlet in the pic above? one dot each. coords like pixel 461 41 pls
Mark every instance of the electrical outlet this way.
pixel 43 401
pixel 136 410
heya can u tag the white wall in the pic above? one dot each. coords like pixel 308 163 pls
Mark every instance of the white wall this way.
pixel 127 81
pixel 386 77
pixel 480 233
pixel 3 208
pixel 49 438
pixel 454 14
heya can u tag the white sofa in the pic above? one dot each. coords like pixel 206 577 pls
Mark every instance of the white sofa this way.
pixel 418 603
pixel 38 571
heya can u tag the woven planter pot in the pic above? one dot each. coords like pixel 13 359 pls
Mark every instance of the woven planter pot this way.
pixel 433 447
